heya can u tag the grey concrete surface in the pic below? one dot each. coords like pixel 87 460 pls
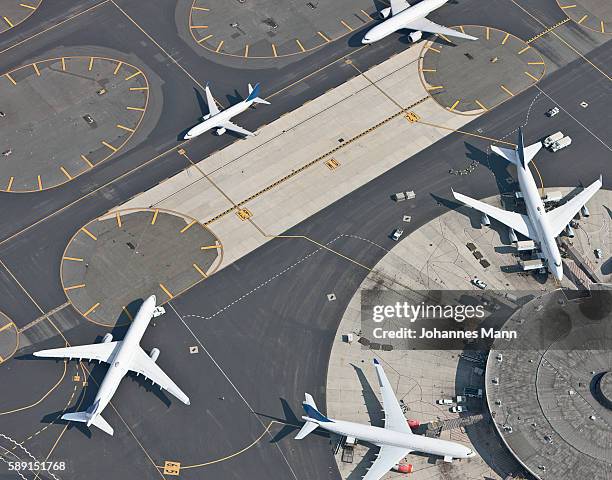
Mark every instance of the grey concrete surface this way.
pixel 593 14
pixel 9 341
pixel 12 13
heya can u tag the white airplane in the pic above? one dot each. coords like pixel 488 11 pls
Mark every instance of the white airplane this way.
pixel 123 356
pixel 221 119
pixel 402 15
pixel 395 440
pixel 539 225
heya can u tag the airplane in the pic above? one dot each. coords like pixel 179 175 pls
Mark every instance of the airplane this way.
pixel 221 119
pixel 539 225
pixel 395 440
pixel 402 15
pixel 122 356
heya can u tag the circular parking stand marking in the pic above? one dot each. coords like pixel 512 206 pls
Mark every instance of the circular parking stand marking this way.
pixel 260 29
pixel 592 14
pixel 13 12
pixel 9 338
pixel 62 116
pixel 113 263
pixel 506 66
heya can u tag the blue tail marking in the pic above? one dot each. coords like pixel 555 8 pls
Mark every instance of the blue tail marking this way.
pixel 254 94
pixel 315 414
pixel 521 148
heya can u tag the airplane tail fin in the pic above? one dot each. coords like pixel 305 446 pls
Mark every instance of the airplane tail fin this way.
pixel 254 95
pixel 86 417
pixel 522 155
pixel 312 413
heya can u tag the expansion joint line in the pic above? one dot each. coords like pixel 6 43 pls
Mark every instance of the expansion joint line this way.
pixel 548 30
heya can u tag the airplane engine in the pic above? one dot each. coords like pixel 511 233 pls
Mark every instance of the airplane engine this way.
pixel 485 220
pixel 221 131
pixel 415 36
pixel 385 12
pixel 569 231
pixel 107 338
pixel 154 354
pixel 585 211
pixel 403 468
pixel 512 235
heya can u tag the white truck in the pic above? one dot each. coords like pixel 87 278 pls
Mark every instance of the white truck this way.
pixel 548 141
pixel 561 144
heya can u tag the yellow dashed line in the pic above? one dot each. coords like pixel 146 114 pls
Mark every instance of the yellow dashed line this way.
pixel 91 309
pixel 36 69
pixel 134 75
pixel 63 64
pixel 524 49
pixel 91 60
pixel 39 183
pixel 211 247
pixel 86 160
pixel 166 291
pixel 480 105
pixel 428 70
pixel 461 28
pixel 300 45
pixel 246 50
pixel 205 38
pixel 505 39
pixel 138 109
pixel 10 78
pixel 219 46
pixel 10 24
pixel 324 37
pixel 154 219
pixel 133 89
pixel 128 314
pixel 603 27
pixel 535 63
pixel 73 259
pixel 65 172
pixel 199 270
pixel 74 287
pixel 445 38
pixel 188 226
pixel 531 76
pixel 438 87
pixel 582 19
pixel 488 33
pixel 108 145
pixel 568 6
pixel 274 50
pixel 433 49
pixel 454 105
pixel 87 232
pixel 199 27
pixel 346 25
pixel 203 9
pixel 366 14
pixel 117 68
pixel 10 184
pixel 24 5
pixel 127 129
pixel 118 217
pixel 507 91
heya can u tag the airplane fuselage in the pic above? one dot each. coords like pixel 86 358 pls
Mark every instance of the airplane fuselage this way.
pixel 539 221
pixel 382 436
pixel 214 121
pixel 119 363
pixel 396 22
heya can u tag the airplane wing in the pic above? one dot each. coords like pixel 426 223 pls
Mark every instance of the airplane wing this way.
pixel 398 6
pixel 97 351
pixel 387 458
pixel 561 216
pixel 210 100
pixel 516 221
pixel 425 25
pixel 142 363
pixel 394 417
pixel 235 128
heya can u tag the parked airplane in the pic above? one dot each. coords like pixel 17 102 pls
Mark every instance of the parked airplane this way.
pixel 122 356
pixel 396 439
pixel 402 15
pixel 539 225
pixel 221 119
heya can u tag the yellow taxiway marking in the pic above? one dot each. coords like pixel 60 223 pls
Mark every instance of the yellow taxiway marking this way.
pixel 154 219
pixel 75 287
pixel 65 172
pixel 461 28
pixel 346 25
pixel 188 226
pixel 63 64
pixel 86 160
pixel 199 27
pixel 8 325
pixel 127 129
pixel 507 91
pixel 524 49
pixel 274 50
pixel 73 259
pixel 133 89
pixel 135 74
pixel 118 217
pixel 219 46
pixel 117 68
pixel 531 76
pixel 202 9
pixel 505 39
pixel 137 109
pixel 211 247
pixel 428 70
pixel 366 14
pixel 569 6
pixel 437 87
pixel 90 66
pixel 603 27
pixel 246 50
pixel 10 78
pixel 36 69
pixel 108 145
pixel 324 37
pixel 199 270
pixel 445 38
pixel 480 105
pixel 39 183
pixel 10 24
pixel 535 63
pixel 488 33
pixel 128 314
pixel 91 309
pixel 87 232
pixel 25 5
pixel 166 291
pixel 10 184
pixel 205 38
pixel 454 105
pixel 300 45
pixel 582 19
pixel 433 49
